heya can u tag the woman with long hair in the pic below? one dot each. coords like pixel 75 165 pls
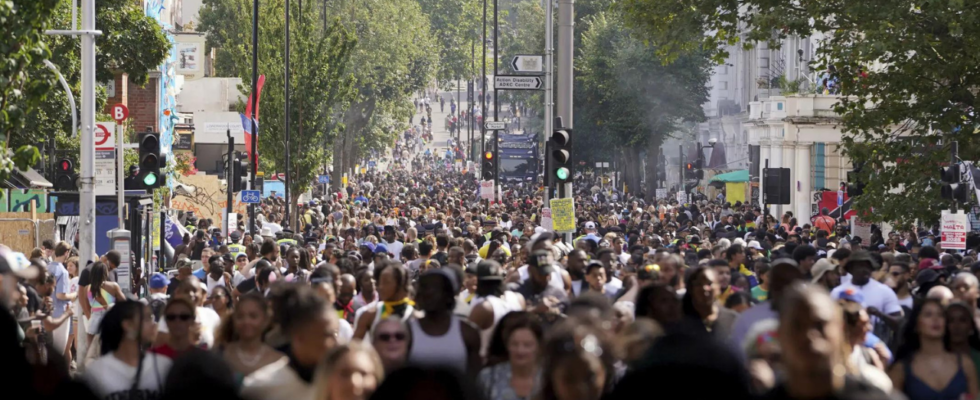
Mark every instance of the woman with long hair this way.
pixel 578 361
pixel 349 372
pixel 124 369
pixel 925 368
pixel 102 294
pixel 240 336
pixel 964 337
pixel 864 361
pixel 520 376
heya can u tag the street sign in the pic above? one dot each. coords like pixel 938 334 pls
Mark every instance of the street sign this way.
pixel 840 198
pixel 105 158
pixel 251 196
pixel 120 112
pixel 486 190
pixel 495 125
pixel 515 82
pixel 954 228
pixel 527 63
pixel 372 164
pixel 563 215
pixel 323 179
pixel 661 193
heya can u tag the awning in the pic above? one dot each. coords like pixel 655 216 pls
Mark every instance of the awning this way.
pixel 734 176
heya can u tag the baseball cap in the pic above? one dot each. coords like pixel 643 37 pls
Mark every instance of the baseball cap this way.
pixel 822 266
pixel 488 270
pixel 235 235
pixel 590 225
pixel 159 281
pixel 369 245
pixel 445 273
pixel 380 249
pixel 851 294
pixel 16 263
pixel 538 237
pixel 755 245
pixel 541 260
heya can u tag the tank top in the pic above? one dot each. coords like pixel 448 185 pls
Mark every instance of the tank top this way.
pixel 916 389
pixel 501 307
pixel 96 305
pixel 212 283
pixel 447 350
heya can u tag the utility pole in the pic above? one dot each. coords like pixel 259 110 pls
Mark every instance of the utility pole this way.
pixel 289 202
pixel 255 107
pixel 229 175
pixel 483 83
pixel 566 50
pixel 86 194
pixel 496 103
pixel 549 67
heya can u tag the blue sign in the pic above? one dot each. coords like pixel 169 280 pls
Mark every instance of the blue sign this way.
pixel 324 179
pixel 251 196
pixel 372 164
pixel 840 198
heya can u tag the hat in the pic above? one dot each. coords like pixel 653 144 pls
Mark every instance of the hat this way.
pixel 929 263
pixel 488 270
pixel 694 239
pixel 861 256
pixel 235 235
pixel 755 245
pixel 16 263
pixel 159 281
pixel 590 225
pixel 822 266
pixel 927 276
pixel 380 249
pixel 266 232
pixel 539 237
pixel 445 273
pixel 240 255
pixel 185 263
pixel 541 260
pixel 851 294
pixel 369 245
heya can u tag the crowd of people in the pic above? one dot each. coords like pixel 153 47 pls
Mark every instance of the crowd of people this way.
pixel 406 285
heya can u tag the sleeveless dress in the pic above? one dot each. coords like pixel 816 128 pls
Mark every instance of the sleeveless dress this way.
pixel 916 389
pixel 98 311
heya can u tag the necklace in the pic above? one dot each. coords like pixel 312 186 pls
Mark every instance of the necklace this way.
pixel 249 361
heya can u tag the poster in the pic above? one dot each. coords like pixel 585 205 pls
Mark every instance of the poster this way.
pixel 486 190
pixel 860 228
pixel 735 191
pixel 563 215
pixel 953 228
pixel 546 222
pixel 661 193
pixel 189 58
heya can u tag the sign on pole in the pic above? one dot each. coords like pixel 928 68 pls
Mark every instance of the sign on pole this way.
pixel 105 158
pixel 120 112
pixel 251 196
pixel 486 190
pixel 859 228
pixel 661 193
pixel 495 125
pixel 517 82
pixel 546 222
pixel 323 179
pixel 681 197
pixel 527 63
pixel 563 215
pixel 954 228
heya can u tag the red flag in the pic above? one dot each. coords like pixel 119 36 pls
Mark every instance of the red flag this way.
pixel 248 113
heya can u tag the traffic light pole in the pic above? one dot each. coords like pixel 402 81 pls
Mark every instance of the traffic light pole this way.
pixel 483 83
pixel 549 67
pixel 230 178
pixel 255 106
pixel 120 180
pixel 496 104
pixel 566 50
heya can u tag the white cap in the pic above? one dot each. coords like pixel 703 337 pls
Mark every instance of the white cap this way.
pixel 266 232
pixel 590 225
pixel 755 245
pixel 739 241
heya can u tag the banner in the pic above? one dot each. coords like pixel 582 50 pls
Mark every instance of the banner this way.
pixel 248 113
pixel 563 215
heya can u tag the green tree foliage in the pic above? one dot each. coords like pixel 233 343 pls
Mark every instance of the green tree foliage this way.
pixel 635 101
pixel 905 70
pixel 454 25
pixel 24 83
pixel 321 79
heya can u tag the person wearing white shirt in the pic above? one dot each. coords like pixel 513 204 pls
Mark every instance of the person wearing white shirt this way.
pixel 880 300
pixel 112 375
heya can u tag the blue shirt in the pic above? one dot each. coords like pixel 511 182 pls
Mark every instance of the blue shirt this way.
pixel 200 274
pixel 61 285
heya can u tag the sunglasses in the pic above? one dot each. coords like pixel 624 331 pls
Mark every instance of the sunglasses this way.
pixel 182 317
pixel 388 337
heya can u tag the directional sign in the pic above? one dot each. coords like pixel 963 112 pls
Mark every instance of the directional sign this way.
pixel 527 63
pixel 251 196
pixel 324 179
pixel 495 125
pixel 514 82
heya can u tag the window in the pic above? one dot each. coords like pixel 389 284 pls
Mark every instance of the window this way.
pixel 723 85
pixel 779 106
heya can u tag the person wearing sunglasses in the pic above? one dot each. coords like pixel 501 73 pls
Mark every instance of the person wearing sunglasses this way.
pixel 183 331
pixel 390 339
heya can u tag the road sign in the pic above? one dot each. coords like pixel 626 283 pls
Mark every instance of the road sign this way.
pixel 495 125
pixel 486 190
pixel 954 228
pixel 516 82
pixel 563 215
pixel 120 112
pixel 324 179
pixel 105 158
pixel 527 63
pixel 251 196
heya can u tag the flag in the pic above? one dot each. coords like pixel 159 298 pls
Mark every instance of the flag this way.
pixel 247 125
pixel 174 232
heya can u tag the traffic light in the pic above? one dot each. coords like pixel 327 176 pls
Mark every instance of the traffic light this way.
pixel 699 164
pixel 855 187
pixel 64 176
pixel 239 172
pixel 952 188
pixel 489 167
pixel 561 143
pixel 151 159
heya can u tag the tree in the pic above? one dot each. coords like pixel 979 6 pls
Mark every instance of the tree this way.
pixel 905 71
pixel 321 80
pixel 25 83
pixel 635 100
pixel 454 24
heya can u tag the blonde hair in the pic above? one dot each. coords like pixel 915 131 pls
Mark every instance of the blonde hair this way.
pixel 333 358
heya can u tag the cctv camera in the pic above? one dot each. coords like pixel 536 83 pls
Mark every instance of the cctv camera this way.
pixel 712 141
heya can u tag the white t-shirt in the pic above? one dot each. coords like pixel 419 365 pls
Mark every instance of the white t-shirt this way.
pixel 73 288
pixel 209 321
pixel 613 287
pixel 274 227
pixel 395 248
pixel 345 332
pixel 110 378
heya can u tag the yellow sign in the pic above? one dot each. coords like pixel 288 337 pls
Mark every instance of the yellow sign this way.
pixel 345 180
pixel 155 226
pixel 563 215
